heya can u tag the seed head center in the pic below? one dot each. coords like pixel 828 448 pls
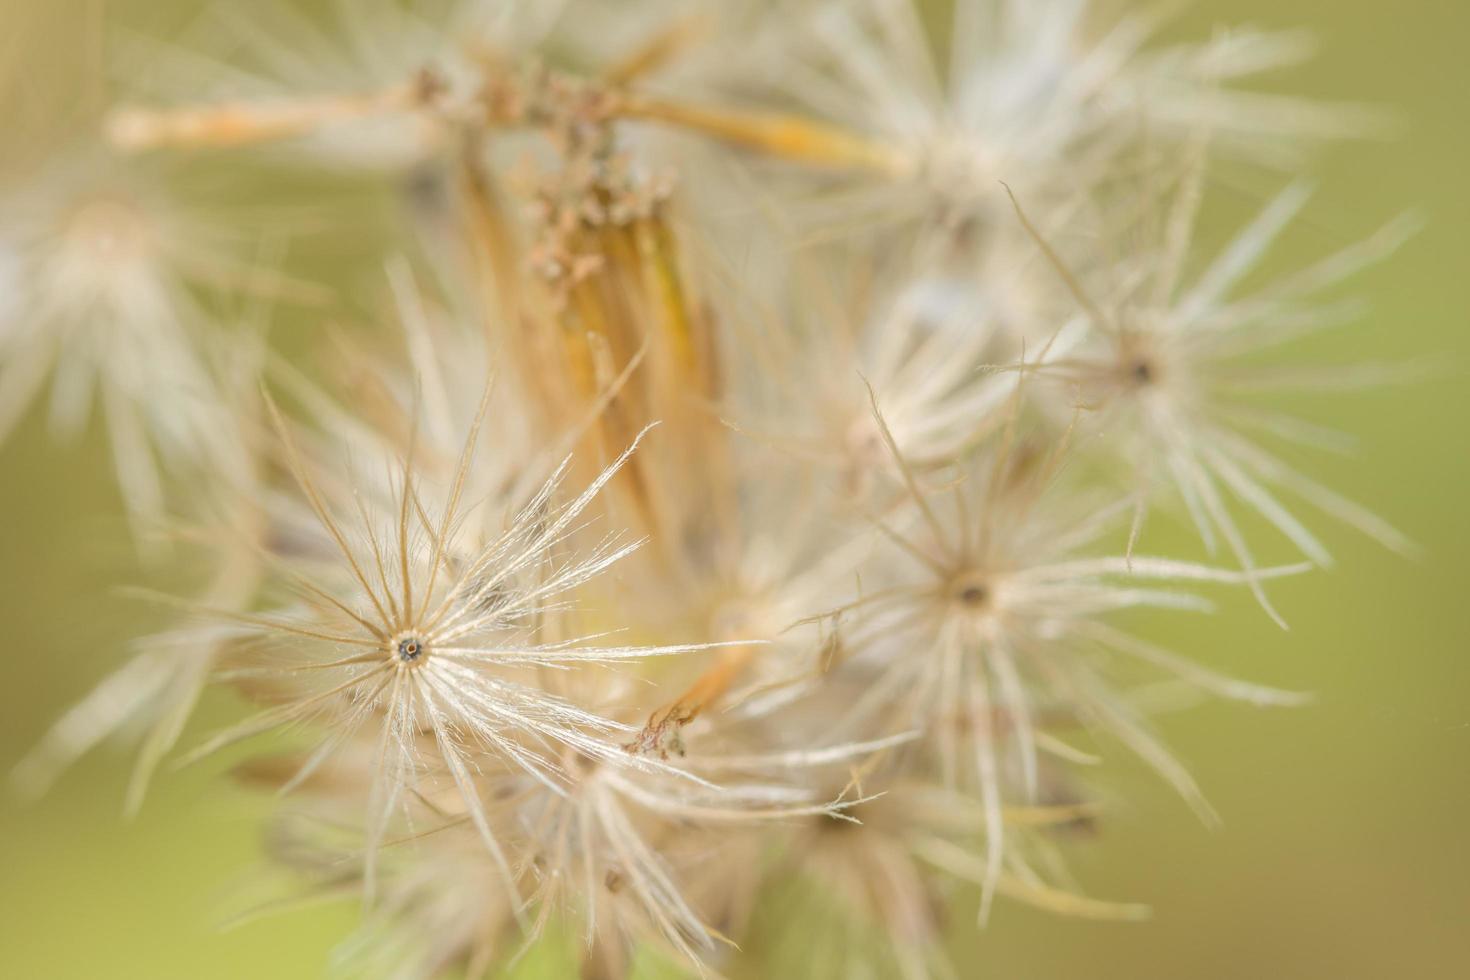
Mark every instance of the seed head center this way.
pixel 408 648
pixel 971 591
pixel 109 231
pixel 1142 372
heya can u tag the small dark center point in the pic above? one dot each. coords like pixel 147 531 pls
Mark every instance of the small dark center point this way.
pixel 410 649
pixel 1142 371
pixel 971 592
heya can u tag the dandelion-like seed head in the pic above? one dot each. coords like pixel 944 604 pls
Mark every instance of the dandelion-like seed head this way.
pixel 862 514
pixel 106 238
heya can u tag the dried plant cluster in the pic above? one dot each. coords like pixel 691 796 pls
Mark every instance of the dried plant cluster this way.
pixel 734 497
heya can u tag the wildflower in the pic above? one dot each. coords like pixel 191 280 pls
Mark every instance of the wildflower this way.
pixel 1171 368
pixel 420 629
pixel 1028 93
pixel 103 270
pixel 1004 618
pixel 777 232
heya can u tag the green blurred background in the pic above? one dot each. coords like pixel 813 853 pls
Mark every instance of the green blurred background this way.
pixel 1345 851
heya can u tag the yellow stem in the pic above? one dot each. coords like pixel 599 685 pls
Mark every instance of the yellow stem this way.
pixel 244 123
pixel 779 134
